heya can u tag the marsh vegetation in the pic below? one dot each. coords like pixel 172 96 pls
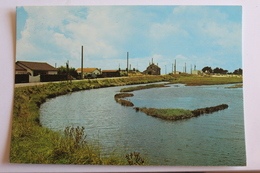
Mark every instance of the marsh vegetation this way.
pixel 180 114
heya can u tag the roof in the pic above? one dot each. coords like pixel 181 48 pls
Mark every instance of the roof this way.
pixel 43 66
pixel 153 65
pixel 87 69
pixel 109 71
pixel 19 68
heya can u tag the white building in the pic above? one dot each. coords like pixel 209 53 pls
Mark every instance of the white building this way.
pixel 89 72
pixel 197 72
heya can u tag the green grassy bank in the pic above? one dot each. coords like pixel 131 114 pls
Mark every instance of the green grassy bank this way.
pixel 179 114
pixel 32 143
pixel 191 80
pixel 130 89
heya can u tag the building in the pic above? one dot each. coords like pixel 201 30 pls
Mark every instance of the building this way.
pixel 110 73
pixel 197 72
pixel 176 72
pixel 89 72
pixel 152 69
pixel 20 70
pixel 34 68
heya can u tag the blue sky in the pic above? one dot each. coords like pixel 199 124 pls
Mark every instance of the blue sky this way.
pixel 195 35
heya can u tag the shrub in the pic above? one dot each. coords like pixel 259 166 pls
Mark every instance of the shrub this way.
pixel 134 159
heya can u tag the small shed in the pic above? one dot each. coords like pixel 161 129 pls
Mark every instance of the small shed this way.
pixel 110 73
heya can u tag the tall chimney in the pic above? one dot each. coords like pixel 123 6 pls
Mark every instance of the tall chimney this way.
pixel 127 56
pixel 82 75
pixel 175 66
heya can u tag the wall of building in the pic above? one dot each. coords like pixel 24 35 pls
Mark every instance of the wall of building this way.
pixel 52 72
pixel 34 78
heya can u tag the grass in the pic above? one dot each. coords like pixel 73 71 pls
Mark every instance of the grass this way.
pixel 123 95
pixel 130 89
pixel 235 86
pixel 179 114
pixel 166 114
pixel 206 80
pixel 119 96
pixel 32 143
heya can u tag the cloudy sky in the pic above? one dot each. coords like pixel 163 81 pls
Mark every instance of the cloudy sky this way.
pixel 195 35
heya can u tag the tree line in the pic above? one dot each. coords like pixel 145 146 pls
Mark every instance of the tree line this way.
pixel 218 70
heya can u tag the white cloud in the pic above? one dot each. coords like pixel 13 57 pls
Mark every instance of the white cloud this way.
pixel 181 57
pixel 45 31
pixel 186 33
pixel 166 30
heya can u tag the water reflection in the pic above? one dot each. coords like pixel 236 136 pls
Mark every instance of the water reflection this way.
pixel 214 139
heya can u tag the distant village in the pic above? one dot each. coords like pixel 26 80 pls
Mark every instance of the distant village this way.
pixel 26 72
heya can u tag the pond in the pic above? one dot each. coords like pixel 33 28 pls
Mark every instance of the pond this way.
pixel 208 140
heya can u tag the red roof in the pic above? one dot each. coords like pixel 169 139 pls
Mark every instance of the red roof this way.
pixel 43 66
pixel 87 69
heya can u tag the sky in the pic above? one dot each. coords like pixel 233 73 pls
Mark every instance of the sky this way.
pixel 193 35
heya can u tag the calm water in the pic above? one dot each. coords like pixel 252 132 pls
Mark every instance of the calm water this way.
pixel 213 139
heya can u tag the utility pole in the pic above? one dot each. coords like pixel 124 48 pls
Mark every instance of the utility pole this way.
pixel 67 66
pixel 82 75
pixel 175 66
pixel 127 57
pixel 185 68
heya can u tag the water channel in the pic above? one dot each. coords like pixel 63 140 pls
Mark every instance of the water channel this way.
pixel 208 140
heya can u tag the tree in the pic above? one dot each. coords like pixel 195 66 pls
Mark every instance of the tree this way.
pixel 238 71
pixel 207 69
pixel 220 71
pixel 63 70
